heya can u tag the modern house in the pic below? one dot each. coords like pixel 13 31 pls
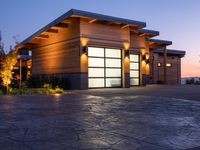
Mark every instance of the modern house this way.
pixel 98 51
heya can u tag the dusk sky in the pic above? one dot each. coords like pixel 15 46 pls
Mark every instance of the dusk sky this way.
pixel 177 20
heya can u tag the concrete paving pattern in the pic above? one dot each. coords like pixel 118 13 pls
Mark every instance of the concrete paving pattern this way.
pixel 99 120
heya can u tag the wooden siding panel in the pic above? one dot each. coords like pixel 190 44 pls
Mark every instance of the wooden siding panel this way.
pixel 56 58
pixel 59 53
pixel 71 32
pixel 104 31
pixel 137 41
pixel 173 73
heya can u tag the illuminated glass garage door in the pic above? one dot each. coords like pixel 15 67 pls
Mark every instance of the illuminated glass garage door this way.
pixel 134 69
pixel 104 67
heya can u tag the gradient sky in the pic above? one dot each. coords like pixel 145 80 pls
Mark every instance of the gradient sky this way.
pixel 177 20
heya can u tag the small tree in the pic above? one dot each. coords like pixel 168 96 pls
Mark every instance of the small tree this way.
pixel 8 62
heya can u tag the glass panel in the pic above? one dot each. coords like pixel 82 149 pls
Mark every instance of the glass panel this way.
pixel 115 53
pixel 95 62
pixel 134 74
pixel 134 66
pixel 134 81
pixel 113 82
pixel 96 52
pixel 134 58
pixel 113 62
pixel 95 72
pixel 113 73
pixel 96 82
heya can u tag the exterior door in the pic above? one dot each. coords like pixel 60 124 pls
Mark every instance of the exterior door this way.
pixel 104 67
pixel 134 69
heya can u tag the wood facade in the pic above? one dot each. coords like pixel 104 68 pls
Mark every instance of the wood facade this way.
pixel 57 48
pixel 173 71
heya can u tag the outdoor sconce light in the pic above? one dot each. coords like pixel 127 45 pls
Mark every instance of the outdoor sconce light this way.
pixel 147 61
pixel 84 50
pixel 143 57
pixel 126 53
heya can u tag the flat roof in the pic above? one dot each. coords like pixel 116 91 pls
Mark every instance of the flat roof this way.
pixel 75 12
pixel 171 52
pixel 161 42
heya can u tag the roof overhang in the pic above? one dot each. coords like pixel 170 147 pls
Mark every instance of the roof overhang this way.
pixel 78 13
pixel 107 18
pixel 172 52
pixel 157 43
pixel 148 33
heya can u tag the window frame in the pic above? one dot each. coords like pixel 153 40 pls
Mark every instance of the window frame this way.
pixel 138 62
pixel 105 67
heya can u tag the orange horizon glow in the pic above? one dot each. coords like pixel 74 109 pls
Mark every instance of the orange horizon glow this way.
pixel 190 64
pixel 190 70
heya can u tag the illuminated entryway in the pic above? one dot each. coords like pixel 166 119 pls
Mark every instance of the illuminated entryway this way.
pixel 134 69
pixel 104 67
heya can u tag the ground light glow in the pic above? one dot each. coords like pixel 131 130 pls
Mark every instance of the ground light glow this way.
pixel 57 95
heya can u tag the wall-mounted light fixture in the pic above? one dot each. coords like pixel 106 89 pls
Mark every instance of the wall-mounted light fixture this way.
pixel 127 53
pixel 147 61
pixel 144 57
pixel 84 50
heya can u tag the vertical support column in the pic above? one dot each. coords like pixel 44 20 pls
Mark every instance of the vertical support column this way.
pixel 20 74
pixel 164 65
pixel 143 73
pixel 125 69
pixel 151 67
pixel 83 75
pixel 179 71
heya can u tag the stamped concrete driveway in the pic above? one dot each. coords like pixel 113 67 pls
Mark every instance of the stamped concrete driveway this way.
pixel 99 120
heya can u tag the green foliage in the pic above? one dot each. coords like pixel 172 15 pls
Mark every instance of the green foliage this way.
pixel 49 90
pixel 46 90
pixel 1 92
pixel 8 62
pixel 27 91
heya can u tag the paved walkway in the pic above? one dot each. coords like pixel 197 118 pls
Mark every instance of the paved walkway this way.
pixel 94 120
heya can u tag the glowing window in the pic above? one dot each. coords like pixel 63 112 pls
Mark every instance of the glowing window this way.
pixel 113 62
pixel 95 52
pixel 159 64
pixel 96 82
pixel 134 58
pixel 113 82
pixel 113 73
pixel 134 66
pixel 114 53
pixel 96 72
pixel 96 62
pixel 134 74
pixel 168 65
pixel 134 81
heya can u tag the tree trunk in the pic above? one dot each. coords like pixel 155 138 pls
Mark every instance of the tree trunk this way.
pixel 7 89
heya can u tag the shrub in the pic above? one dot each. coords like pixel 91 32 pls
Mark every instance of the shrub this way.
pixel 50 90
pixel 1 92
pixel 29 91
